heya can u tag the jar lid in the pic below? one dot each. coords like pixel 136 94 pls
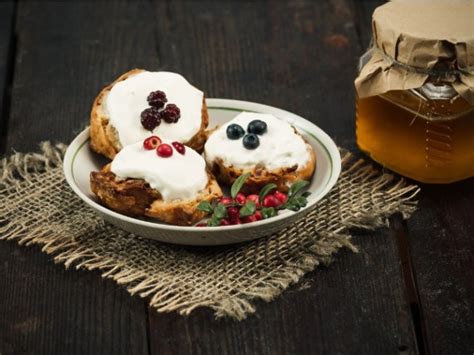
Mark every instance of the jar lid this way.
pixel 419 41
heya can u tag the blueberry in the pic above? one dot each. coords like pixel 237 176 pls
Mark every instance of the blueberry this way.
pixel 251 141
pixel 257 127
pixel 234 131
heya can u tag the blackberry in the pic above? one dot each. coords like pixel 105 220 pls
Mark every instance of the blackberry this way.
pixel 171 113
pixel 157 99
pixel 150 118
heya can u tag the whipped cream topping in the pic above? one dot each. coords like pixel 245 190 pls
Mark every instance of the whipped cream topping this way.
pixel 179 177
pixel 128 98
pixel 280 146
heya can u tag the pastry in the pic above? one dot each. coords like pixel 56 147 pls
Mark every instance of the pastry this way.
pixel 159 179
pixel 140 103
pixel 268 148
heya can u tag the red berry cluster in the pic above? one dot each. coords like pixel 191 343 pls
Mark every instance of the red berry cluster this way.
pixel 151 117
pixel 162 149
pixel 241 208
pixel 233 207
pixel 274 200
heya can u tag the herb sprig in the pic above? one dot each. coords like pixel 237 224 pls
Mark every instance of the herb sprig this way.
pixel 296 200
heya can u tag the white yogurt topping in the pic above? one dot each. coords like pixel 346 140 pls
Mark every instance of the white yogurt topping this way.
pixel 280 146
pixel 179 177
pixel 127 99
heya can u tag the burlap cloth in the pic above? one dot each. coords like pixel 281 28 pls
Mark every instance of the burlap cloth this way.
pixel 37 207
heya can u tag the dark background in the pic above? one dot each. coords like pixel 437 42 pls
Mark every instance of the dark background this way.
pixel 409 290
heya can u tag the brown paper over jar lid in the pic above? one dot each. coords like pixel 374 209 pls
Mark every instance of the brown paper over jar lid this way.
pixel 415 41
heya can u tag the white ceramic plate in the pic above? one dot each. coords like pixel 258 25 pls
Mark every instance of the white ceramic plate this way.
pixel 80 161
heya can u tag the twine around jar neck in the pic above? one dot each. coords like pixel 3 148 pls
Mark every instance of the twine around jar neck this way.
pixel 437 73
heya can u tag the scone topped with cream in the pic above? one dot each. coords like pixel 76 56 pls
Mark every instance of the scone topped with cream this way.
pixel 141 103
pixel 157 178
pixel 263 145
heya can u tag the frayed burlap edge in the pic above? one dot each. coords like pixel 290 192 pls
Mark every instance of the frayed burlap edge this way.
pixel 20 168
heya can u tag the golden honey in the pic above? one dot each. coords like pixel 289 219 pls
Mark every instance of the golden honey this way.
pixel 429 140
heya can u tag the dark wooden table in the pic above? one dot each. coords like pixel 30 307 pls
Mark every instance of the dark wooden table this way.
pixel 409 290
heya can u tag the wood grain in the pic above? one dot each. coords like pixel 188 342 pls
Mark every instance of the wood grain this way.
pixel 442 246
pixel 356 305
pixel 48 310
pixel 7 41
pixel 66 52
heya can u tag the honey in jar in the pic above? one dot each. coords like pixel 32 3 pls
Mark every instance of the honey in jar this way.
pixel 415 100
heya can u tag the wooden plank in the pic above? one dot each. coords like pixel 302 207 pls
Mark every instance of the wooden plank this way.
pixel 363 12
pixel 48 310
pixel 7 9
pixel 442 245
pixel 439 256
pixel 301 57
pixel 356 305
pixel 66 52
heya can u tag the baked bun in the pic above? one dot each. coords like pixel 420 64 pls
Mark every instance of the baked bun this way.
pixel 271 150
pixel 116 112
pixel 139 182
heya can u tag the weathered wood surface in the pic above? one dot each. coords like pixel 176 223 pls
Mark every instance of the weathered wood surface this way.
pixel 300 56
pixel 7 48
pixel 442 251
pixel 64 53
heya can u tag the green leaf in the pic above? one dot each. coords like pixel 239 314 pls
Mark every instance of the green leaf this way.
pixel 301 201
pixel 214 221
pixel 295 203
pixel 297 186
pixel 292 206
pixel 248 209
pixel 220 211
pixel 306 194
pixel 268 212
pixel 205 206
pixel 265 191
pixel 238 183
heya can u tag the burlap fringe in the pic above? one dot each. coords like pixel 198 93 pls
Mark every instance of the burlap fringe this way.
pixel 19 168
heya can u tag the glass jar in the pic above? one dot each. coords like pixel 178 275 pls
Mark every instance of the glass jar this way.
pixel 415 90
pixel 426 134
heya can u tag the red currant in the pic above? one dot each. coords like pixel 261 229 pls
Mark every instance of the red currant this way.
pixel 271 201
pixel 225 222
pixel 179 147
pixel 164 150
pixel 254 198
pixel 240 198
pixel 226 200
pixel 151 142
pixel 248 219
pixel 282 197
pixel 233 213
pixel 257 216
pixel 201 225
pixel 236 221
